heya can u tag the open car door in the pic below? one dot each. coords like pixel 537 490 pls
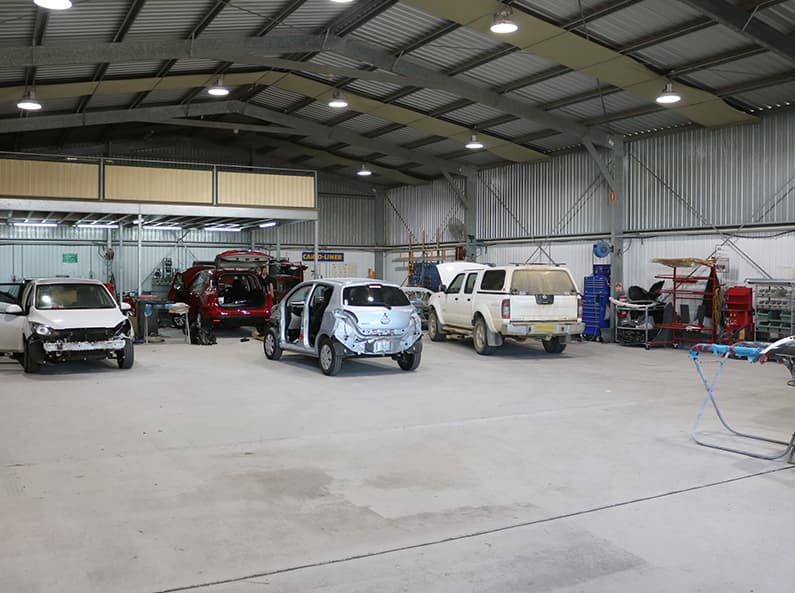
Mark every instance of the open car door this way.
pixel 11 324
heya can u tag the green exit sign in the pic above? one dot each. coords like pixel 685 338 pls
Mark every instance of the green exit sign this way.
pixel 70 258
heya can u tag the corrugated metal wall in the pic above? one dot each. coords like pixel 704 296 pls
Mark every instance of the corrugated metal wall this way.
pixel 705 177
pixel 411 210
pixel 563 196
pixel 693 179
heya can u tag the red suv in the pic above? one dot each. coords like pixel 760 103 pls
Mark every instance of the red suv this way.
pixel 229 293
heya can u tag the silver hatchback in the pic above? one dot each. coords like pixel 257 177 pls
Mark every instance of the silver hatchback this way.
pixel 333 319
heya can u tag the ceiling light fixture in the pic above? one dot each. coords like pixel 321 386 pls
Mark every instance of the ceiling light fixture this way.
pixel 223 229
pixel 267 225
pixel 503 23
pixel 337 100
pixel 474 143
pixel 44 224
pixel 54 4
pixel 96 225
pixel 364 171
pixel 28 102
pixel 669 96
pixel 218 90
pixel 154 227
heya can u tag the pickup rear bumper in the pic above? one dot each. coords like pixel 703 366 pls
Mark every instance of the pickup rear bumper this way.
pixel 541 329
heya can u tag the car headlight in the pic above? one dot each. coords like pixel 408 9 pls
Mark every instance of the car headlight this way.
pixel 41 329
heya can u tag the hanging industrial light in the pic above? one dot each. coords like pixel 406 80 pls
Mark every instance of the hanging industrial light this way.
pixel 503 23
pixel 54 4
pixel 218 89
pixel 337 100
pixel 364 171
pixel 474 143
pixel 669 96
pixel 28 102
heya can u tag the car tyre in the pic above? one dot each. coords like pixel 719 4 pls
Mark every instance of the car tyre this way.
pixel 126 357
pixel 409 361
pixel 435 332
pixel 554 345
pixel 330 357
pixel 28 364
pixel 273 351
pixel 480 338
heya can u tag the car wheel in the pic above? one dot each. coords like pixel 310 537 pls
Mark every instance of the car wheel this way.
pixel 480 338
pixel 409 362
pixel 435 332
pixel 273 351
pixel 28 364
pixel 330 357
pixel 126 357
pixel 554 345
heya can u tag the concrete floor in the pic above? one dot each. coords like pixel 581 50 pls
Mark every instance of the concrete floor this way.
pixel 209 468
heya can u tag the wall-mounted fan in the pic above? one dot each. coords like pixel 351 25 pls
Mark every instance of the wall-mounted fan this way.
pixel 601 249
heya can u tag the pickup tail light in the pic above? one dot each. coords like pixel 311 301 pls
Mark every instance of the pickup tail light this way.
pixel 506 308
pixel 579 308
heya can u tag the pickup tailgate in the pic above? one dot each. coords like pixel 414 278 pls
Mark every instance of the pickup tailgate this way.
pixel 559 307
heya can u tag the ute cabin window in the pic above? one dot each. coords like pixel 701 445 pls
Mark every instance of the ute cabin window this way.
pixel 542 282
pixel 493 280
pixel 455 285
pixel 469 287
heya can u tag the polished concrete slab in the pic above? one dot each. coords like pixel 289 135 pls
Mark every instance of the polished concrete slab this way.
pixel 209 468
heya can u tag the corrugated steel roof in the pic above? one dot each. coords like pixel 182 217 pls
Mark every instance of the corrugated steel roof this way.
pixel 397 27
pixel 446 46
pixel 762 65
pixel 640 20
pixel 693 47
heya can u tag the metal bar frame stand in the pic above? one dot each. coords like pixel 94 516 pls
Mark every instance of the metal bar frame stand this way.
pixel 723 353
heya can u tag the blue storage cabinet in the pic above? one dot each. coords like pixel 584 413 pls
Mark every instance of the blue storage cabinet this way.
pixel 595 300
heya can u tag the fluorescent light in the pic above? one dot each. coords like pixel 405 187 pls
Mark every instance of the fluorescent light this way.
pixel 44 224
pixel 54 4
pixel 223 229
pixel 474 143
pixel 267 225
pixel 364 171
pixel 96 225
pixel 219 90
pixel 669 96
pixel 503 24
pixel 154 227
pixel 28 102
pixel 337 100
pixel 342 1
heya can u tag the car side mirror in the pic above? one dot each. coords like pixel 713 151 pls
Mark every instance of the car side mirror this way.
pixel 442 288
pixel 13 310
pixel 125 307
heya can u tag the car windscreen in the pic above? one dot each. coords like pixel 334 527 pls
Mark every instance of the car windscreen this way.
pixel 374 295
pixel 73 296
pixel 542 282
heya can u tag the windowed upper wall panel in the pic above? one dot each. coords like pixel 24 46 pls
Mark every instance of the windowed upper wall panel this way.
pixel 40 179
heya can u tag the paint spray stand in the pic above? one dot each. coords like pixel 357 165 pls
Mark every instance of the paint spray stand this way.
pixel 782 352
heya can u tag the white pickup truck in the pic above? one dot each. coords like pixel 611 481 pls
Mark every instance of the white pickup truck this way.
pixel 520 302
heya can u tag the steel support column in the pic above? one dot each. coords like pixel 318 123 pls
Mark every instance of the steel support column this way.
pixel 379 226
pixel 471 213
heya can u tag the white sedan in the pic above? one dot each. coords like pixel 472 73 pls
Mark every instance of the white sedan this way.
pixel 63 319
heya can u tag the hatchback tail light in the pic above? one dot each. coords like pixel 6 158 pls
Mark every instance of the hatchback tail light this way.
pixel 506 308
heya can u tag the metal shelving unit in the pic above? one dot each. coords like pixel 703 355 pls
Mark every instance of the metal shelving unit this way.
pixel 774 304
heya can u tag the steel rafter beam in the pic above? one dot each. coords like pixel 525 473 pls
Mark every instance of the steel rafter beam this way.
pixel 312 128
pixel 744 23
